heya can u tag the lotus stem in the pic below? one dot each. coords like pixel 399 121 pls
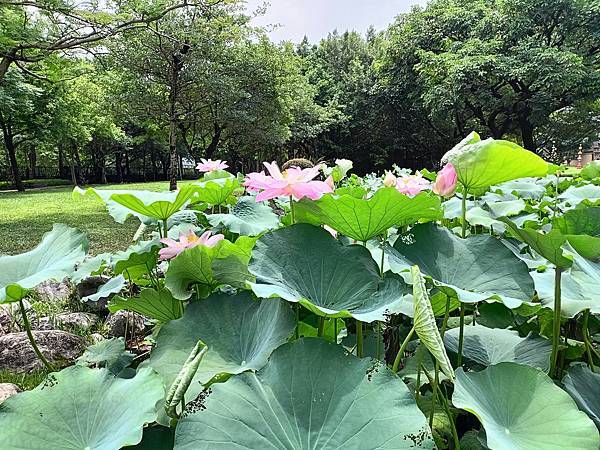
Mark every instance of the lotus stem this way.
pixel 382 253
pixel 586 339
pixel 464 213
pixel 419 363
pixel 292 210
pixel 335 330
pixel 321 326
pixel 36 349
pixel 165 228
pixel 359 339
pixel 378 345
pixel 297 311
pixel 402 349
pixel 446 315
pixel 556 330
pixel 434 393
pixel 461 335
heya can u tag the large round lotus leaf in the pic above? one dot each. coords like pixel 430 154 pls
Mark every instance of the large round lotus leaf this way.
pixel 81 408
pixel 591 170
pixel 477 268
pixel 310 395
pixel 362 219
pixel 488 346
pixel 522 409
pixel 54 258
pixel 549 245
pixel 580 286
pixel 574 195
pixel 480 164
pixel 143 204
pixel 218 191
pixel 525 188
pixel 305 264
pixel 117 211
pixel 240 333
pixel 584 387
pixel 247 217
pixel 581 226
pixel 209 267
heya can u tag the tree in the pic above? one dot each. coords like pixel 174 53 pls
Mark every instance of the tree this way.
pixel 504 67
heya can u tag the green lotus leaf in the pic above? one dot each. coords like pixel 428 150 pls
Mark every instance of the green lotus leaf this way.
pixel 225 263
pixel 591 170
pixel 480 164
pixel 506 208
pixel 524 188
pixel 453 207
pixel 305 264
pixel 584 386
pixel 581 227
pixel 310 395
pixel 362 219
pixel 109 354
pixel 580 286
pixel 574 195
pixel 479 216
pixel 137 260
pixel 521 408
pixel 474 269
pixel 117 211
pixel 409 369
pixel 247 218
pixel 156 205
pixel 111 287
pixel 54 258
pixel 156 304
pixel 425 324
pixel 81 408
pixel 217 191
pixel 549 245
pixel 488 346
pixel 239 331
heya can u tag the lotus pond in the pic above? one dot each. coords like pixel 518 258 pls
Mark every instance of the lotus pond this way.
pixel 310 308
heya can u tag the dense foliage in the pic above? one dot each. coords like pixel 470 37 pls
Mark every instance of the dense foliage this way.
pixel 169 83
pixel 313 308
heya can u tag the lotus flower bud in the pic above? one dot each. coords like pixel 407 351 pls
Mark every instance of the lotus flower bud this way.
pixel 389 180
pixel 445 183
pixel 344 166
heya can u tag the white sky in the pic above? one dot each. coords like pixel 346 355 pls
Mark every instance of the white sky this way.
pixel 316 18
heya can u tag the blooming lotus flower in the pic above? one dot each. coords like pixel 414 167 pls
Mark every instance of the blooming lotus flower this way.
pixel 208 165
pixel 330 182
pixel 411 184
pixel 344 166
pixel 390 179
pixel 294 182
pixel 445 182
pixel 189 240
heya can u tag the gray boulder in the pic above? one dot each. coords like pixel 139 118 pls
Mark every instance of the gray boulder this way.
pixel 89 286
pixel 53 291
pixel 59 347
pixel 75 321
pixel 8 390
pixel 122 321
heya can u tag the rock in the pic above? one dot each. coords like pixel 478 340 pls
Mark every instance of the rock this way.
pixel 6 318
pixel 8 390
pixel 90 286
pixel 59 347
pixel 117 322
pixel 44 324
pixel 75 321
pixel 52 291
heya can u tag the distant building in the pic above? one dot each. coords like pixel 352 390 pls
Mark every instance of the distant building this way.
pixel 586 156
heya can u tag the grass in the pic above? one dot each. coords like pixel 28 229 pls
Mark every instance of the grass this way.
pixel 26 381
pixel 26 216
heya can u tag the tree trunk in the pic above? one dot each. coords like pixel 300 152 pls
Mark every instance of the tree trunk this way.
pixel 527 133
pixel 32 159
pixel 61 166
pixel 214 142
pixel 12 154
pixel 119 165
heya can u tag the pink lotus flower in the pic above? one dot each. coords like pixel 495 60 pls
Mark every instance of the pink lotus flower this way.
pixel 189 240
pixel 294 182
pixel 329 181
pixel 445 182
pixel 411 184
pixel 208 165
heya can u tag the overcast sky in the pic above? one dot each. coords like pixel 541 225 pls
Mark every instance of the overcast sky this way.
pixel 316 18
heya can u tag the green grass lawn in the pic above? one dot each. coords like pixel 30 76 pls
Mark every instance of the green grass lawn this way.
pixel 26 216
